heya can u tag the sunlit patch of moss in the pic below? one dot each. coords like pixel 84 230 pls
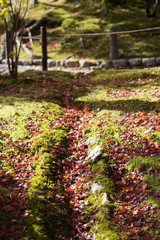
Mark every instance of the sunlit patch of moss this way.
pixel 152 202
pixel 89 25
pixel 153 181
pixel 147 165
pixel 127 90
pixel 47 139
pixel 142 163
pixel 104 128
pixel 15 110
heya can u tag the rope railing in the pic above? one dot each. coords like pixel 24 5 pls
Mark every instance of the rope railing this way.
pixel 108 33
pixel 95 34
pixel 38 37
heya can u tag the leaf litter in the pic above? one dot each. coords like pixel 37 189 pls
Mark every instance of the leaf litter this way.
pixel 133 215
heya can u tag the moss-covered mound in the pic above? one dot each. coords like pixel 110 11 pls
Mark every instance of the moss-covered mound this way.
pixel 45 211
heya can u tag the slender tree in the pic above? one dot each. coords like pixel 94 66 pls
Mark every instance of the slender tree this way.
pixel 13 12
pixel 147 4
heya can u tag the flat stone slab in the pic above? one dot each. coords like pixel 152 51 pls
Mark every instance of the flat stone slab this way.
pixel 91 64
pixel 60 63
pixel 51 63
pixel 85 63
pixel 157 61
pixel 135 62
pixel 72 63
pixel 25 62
pixel 106 64
pixel 37 62
pixel 149 62
pixel 95 63
pixel 120 63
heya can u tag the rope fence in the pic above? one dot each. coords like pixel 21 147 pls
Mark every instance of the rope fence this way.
pixel 38 37
pixel 112 34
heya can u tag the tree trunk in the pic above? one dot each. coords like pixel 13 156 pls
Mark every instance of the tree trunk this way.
pixel 155 8
pixel 147 8
pixel 33 2
pixel 12 60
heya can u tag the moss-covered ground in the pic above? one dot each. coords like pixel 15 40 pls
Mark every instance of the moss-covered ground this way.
pixel 62 134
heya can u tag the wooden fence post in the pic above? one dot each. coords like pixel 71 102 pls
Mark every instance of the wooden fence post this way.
pixel 44 48
pixel 113 45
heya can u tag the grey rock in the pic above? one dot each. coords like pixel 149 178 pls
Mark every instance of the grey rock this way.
pixel 96 187
pixel 25 62
pixel 91 140
pixel 84 63
pixel 104 199
pixel 51 63
pixel 120 63
pixel 148 62
pixel 95 68
pixel 106 64
pixel 60 63
pixel 158 61
pixel 2 50
pixel 72 63
pixel 95 63
pixel 94 153
pixel 135 62
pixel 37 62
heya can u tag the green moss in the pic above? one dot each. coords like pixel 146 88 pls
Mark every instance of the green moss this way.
pixel 152 202
pixel 89 25
pixel 103 227
pixel 47 140
pixel 43 210
pixel 69 24
pixel 89 17
pixel 102 167
pixel 145 165
pixel 142 163
pixel 153 181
